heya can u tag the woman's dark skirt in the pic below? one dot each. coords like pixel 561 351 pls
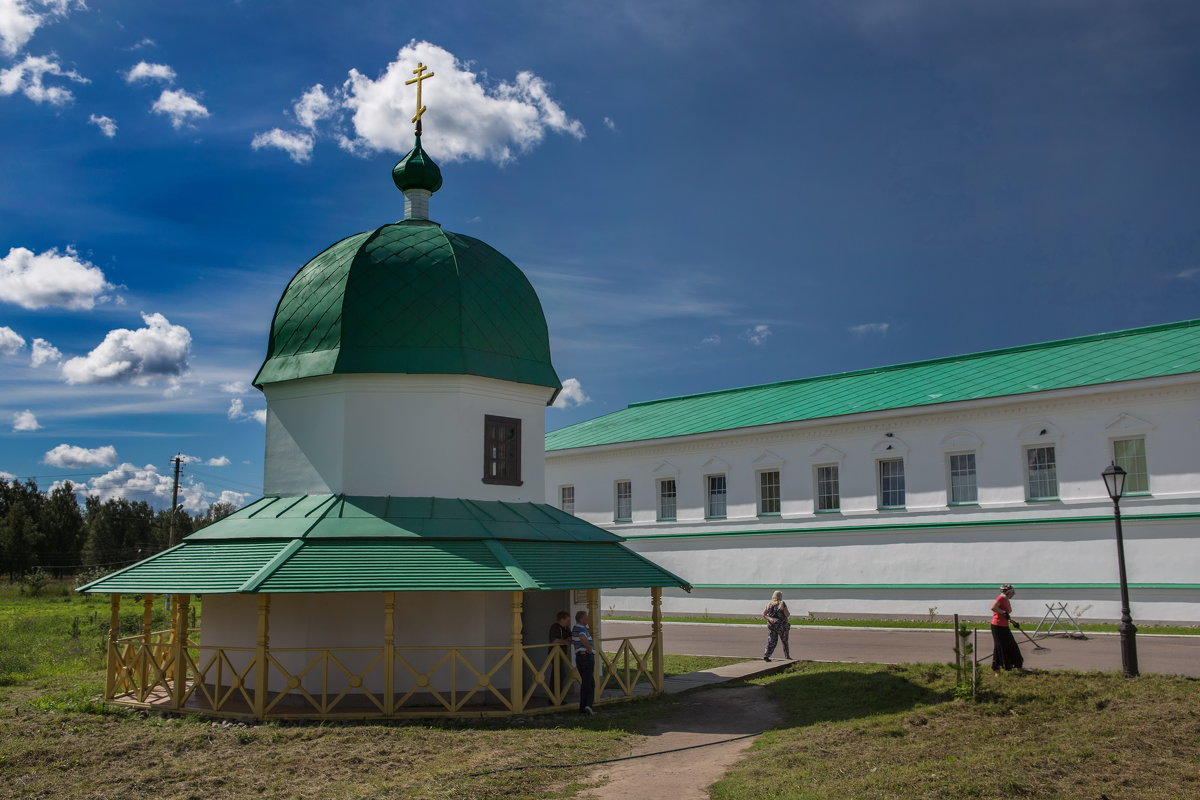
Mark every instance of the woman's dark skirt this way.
pixel 1006 654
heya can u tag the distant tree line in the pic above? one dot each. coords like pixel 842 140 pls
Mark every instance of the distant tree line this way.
pixel 53 533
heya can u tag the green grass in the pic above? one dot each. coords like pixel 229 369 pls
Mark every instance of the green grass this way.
pixel 682 665
pixel 873 731
pixel 1089 627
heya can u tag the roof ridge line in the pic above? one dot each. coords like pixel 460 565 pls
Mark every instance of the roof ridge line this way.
pixel 1188 323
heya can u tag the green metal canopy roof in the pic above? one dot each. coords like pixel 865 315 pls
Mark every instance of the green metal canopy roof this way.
pixel 338 543
pixel 410 297
pixel 1151 352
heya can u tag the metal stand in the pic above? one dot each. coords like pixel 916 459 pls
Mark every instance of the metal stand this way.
pixel 1061 623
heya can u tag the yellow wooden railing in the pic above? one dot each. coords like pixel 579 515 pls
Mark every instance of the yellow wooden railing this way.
pixel 365 682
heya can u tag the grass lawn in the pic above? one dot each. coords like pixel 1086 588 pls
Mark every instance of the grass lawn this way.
pixel 852 731
pixel 1089 627
pixel 868 731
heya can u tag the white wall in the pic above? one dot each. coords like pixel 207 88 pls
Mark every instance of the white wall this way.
pixel 1080 423
pixel 399 435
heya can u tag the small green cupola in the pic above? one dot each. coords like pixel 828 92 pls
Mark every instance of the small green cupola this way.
pixel 418 177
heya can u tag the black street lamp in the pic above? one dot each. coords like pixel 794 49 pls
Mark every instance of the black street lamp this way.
pixel 1114 482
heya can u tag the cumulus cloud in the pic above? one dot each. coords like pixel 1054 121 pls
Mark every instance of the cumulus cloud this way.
pixel 314 106
pixel 148 484
pixel 298 146
pixel 107 125
pixel 608 123
pixel 868 328
pixel 474 117
pixel 145 71
pixel 68 456
pixel 28 78
pixel 219 461
pixel 572 394
pixel 25 421
pixel 44 353
pixel 758 335
pixel 159 350
pixel 20 18
pixel 237 411
pixel 10 341
pixel 51 278
pixel 235 387
pixel 180 106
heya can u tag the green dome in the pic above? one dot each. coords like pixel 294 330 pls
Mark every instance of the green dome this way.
pixel 417 171
pixel 409 298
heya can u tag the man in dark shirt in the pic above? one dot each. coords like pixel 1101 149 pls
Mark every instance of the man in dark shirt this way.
pixel 560 634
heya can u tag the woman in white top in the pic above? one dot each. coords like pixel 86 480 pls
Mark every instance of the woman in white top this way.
pixel 777 615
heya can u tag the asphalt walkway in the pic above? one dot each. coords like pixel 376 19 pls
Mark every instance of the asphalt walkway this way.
pixel 1171 655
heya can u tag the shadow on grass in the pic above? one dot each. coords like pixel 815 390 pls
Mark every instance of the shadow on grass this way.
pixel 835 695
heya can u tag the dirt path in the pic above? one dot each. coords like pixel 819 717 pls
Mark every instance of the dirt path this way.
pixel 705 716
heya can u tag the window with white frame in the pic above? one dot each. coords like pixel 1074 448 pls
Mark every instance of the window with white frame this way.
pixel 768 492
pixel 891 483
pixel 566 499
pixel 964 486
pixel 1041 473
pixel 623 508
pixel 714 505
pixel 667 499
pixel 828 493
pixel 1130 455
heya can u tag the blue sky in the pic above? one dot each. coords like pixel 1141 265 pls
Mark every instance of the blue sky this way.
pixel 704 194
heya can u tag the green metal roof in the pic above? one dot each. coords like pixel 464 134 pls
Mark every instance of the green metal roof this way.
pixel 336 543
pixel 417 170
pixel 1150 352
pixel 410 297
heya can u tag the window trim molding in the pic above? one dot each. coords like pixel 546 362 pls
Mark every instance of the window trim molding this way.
pixel 616 496
pixel 1025 448
pixel 946 457
pixel 817 487
pixel 758 486
pixel 879 506
pixel 658 497
pixel 708 493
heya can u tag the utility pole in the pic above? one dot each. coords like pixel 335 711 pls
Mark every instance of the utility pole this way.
pixel 173 536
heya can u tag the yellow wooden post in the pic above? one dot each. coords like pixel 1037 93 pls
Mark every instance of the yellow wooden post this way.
pixel 657 628
pixel 261 667
pixel 114 632
pixel 389 652
pixel 517 681
pixel 147 629
pixel 179 662
pixel 593 600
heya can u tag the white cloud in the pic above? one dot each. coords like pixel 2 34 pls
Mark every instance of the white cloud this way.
pixel 145 71
pixel 219 461
pixel 868 328
pixel 160 350
pixel 20 18
pixel 572 394
pixel 472 116
pixel 1187 274
pixel 469 116
pixel 314 106
pixel 235 387
pixel 713 339
pixel 7 476
pixel 298 146
pixel 69 456
pixel 608 123
pixel 146 42
pixel 25 421
pixel 51 278
pixel 235 499
pixel 10 341
pixel 107 125
pixel 180 106
pixel 148 484
pixel 44 353
pixel 237 411
pixel 759 334
pixel 27 77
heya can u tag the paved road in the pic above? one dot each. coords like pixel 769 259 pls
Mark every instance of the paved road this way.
pixel 1174 655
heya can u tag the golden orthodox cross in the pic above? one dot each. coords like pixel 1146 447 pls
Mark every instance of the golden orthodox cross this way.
pixel 421 76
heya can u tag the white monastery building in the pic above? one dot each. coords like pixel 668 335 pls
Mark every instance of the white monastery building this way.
pixel 914 489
